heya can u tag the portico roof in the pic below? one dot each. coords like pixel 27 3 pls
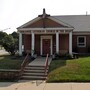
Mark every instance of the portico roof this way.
pixel 45 22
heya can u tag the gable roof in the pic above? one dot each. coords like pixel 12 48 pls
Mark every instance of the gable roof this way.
pixel 28 23
pixel 55 23
pixel 81 23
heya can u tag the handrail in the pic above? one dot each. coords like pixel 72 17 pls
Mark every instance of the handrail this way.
pixel 24 63
pixel 46 64
pixel 25 59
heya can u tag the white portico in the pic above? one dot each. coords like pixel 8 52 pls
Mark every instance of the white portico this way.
pixel 42 35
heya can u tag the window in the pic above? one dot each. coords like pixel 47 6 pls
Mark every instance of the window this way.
pixel 81 41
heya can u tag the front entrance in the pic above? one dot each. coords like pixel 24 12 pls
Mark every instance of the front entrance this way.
pixel 46 46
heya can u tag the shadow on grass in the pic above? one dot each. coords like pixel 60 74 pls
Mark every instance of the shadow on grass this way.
pixel 6 62
pixel 57 64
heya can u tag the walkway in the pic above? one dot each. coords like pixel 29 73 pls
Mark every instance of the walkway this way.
pixel 40 85
pixel 40 61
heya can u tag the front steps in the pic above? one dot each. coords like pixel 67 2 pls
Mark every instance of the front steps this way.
pixel 33 72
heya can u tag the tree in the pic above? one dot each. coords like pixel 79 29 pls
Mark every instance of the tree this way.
pixel 2 37
pixel 9 42
pixel 15 36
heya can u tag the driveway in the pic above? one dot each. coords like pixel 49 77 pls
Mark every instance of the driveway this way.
pixel 2 52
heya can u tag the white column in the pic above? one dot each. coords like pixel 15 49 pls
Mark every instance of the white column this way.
pixel 33 44
pixel 51 46
pixel 57 42
pixel 70 43
pixel 20 44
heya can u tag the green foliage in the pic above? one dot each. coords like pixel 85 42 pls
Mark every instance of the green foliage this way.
pixel 2 37
pixel 9 42
pixel 15 35
pixel 77 70
pixel 6 62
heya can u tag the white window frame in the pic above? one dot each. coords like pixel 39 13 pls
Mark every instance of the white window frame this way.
pixel 79 43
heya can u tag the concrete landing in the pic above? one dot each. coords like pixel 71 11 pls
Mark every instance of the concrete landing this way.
pixel 40 61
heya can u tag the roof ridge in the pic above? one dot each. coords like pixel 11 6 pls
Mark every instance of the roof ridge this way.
pixel 69 15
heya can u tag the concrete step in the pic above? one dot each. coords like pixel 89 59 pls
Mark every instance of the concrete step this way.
pixel 33 78
pixel 34 74
pixel 35 71
pixel 36 65
pixel 35 68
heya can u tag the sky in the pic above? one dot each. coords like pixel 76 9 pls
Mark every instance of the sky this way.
pixel 14 13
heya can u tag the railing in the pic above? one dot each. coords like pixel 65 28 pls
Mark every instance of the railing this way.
pixel 46 64
pixel 24 63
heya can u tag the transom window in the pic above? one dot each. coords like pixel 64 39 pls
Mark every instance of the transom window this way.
pixel 81 41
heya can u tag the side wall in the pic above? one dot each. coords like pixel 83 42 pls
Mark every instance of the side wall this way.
pixel 64 42
pixel 37 44
pixel 81 49
pixel 27 42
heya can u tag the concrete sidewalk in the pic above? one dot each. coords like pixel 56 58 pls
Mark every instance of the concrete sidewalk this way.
pixel 40 85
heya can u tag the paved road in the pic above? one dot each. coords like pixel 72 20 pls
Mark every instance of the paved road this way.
pixel 2 52
pixel 40 85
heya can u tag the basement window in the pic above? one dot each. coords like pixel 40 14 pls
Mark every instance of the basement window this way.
pixel 81 41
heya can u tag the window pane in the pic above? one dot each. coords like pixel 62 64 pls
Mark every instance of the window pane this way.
pixel 81 39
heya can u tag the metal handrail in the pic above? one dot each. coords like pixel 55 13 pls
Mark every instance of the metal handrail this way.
pixel 46 64
pixel 24 63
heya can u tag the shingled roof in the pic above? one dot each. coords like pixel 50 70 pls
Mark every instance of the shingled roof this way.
pixel 81 23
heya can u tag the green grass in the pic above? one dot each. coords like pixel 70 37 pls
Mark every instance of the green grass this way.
pixel 76 70
pixel 6 62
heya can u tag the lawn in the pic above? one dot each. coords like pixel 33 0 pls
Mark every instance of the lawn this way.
pixel 8 62
pixel 76 70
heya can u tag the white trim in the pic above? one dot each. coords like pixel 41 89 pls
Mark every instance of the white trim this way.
pixel 81 33
pixel 83 43
pixel 70 43
pixel 41 45
pixel 57 42
pixel 51 43
pixel 51 46
pixel 31 29
pixel 20 44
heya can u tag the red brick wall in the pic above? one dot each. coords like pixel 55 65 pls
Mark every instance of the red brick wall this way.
pixel 64 42
pixel 37 44
pixel 81 49
pixel 47 23
pixel 54 43
pixel 27 42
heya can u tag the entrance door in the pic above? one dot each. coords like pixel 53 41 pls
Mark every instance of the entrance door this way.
pixel 46 46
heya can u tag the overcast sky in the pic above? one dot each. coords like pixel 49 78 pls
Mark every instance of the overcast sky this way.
pixel 14 13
